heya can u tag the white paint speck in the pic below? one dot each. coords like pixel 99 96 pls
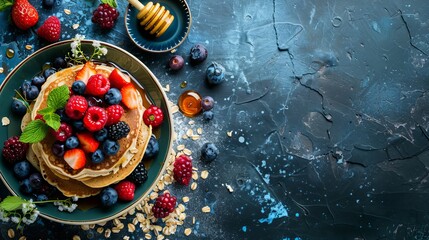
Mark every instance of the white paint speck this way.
pixel 241 139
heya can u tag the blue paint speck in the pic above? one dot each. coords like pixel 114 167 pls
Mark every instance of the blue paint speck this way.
pixel 244 228
pixel 276 211
pixel 296 214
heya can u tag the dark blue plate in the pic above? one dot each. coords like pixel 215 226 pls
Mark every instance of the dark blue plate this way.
pixel 172 38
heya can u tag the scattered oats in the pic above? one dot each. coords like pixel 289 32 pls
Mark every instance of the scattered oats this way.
pixel 192 122
pixel 204 174
pixel 190 132
pixel 126 238
pixel 206 209
pixel 153 195
pixel 131 227
pixel 107 233
pixel 11 233
pixel 67 11
pixel 229 133
pixel 115 230
pixel 174 108
pixel 194 168
pixel 1 70
pixel 85 227
pixel 157 228
pixel 229 188
pixel 195 137
pixel 182 216
pixel 28 47
pixel 193 186
pixel 134 150
pixel 181 207
pixel 167 179
pixel 160 237
pixel 184 136
pixel 200 131
pixel 188 231
pixel 22 238
pixel 185 199
pixel 76 237
pixel 100 230
pixel 187 152
pixel 101 224
pixel 5 121
pixel 193 220
pixel 167 88
pixel 116 221
pixel 194 175
pixel 180 147
pixel 92 226
pixel 160 185
pixel 145 229
pixel 120 226
pixel 75 26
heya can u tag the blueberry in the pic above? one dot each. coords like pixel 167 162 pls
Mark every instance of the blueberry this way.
pixel 42 197
pixel 101 135
pixel 108 197
pixel 208 115
pixel 25 186
pixel 198 54
pixel 209 152
pixel 25 86
pixel 97 156
pixel 215 73
pixel 176 62
pixel 36 180
pixel 63 116
pixel 47 189
pixel 58 149
pixel 113 96
pixel 22 169
pixel 38 81
pixel 18 107
pixel 59 62
pixel 72 142
pixel 48 72
pixel 78 87
pixel 207 103
pixel 152 148
pixel 78 126
pixel 110 147
pixel 31 93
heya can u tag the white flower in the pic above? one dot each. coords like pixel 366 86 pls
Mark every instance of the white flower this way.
pixel 75 198
pixel 79 37
pixel 103 50
pixel 15 219
pixel 96 44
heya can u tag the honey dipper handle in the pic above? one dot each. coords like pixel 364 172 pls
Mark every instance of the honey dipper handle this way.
pixel 136 4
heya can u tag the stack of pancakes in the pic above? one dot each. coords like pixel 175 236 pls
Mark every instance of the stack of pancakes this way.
pixel 89 180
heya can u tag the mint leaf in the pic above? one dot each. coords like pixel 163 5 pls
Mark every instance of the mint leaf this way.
pixel 46 110
pixel 112 3
pixel 58 97
pixel 34 132
pixel 5 4
pixel 11 203
pixel 53 120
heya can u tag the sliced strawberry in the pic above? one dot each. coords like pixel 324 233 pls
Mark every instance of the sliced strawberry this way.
pixel 129 96
pixel 75 158
pixel 87 142
pixel 118 79
pixel 86 72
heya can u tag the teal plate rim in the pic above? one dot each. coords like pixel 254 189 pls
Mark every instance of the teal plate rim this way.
pixel 154 91
pixel 172 38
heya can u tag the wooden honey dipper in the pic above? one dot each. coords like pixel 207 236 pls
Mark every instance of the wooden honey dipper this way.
pixel 154 17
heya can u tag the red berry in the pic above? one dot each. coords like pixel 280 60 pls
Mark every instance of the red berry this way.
pixel 125 190
pixel 24 15
pixel 75 107
pixel 97 85
pixel 114 114
pixel 118 79
pixel 95 118
pixel 14 150
pixel 105 16
pixel 183 169
pixel 129 96
pixel 75 158
pixel 50 30
pixel 65 131
pixel 86 72
pixel 164 205
pixel 40 117
pixel 153 116
pixel 87 142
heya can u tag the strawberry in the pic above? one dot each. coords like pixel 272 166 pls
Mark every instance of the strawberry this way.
pixel 87 142
pixel 129 96
pixel 75 158
pixel 50 29
pixel 24 15
pixel 86 72
pixel 118 79
pixel 125 190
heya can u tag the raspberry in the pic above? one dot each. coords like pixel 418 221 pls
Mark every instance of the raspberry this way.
pixel 97 85
pixel 139 175
pixel 76 107
pixel 164 205
pixel 105 16
pixel 14 150
pixel 183 169
pixel 65 131
pixel 114 114
pixel 95 118
pixel 153 116
pixel 50 29
pixel 118 130
pixel 125 190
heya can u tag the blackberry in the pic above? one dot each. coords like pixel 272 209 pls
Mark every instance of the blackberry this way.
pixel 118 130
pixel 139 175
pixel 14 150
pixel 105 16
pixel 164 205
pixel 182 171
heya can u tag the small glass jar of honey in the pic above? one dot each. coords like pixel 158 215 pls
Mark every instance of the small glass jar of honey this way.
pixel 190 103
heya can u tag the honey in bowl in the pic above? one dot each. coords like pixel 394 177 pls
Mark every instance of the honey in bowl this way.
pixel 190 103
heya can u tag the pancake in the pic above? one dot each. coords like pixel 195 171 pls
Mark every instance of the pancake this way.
pixel 111 164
